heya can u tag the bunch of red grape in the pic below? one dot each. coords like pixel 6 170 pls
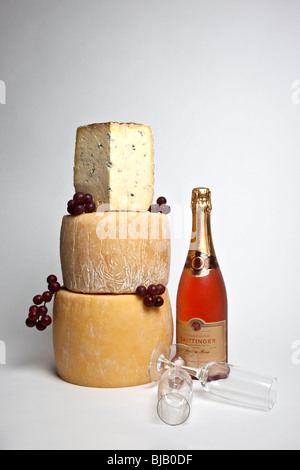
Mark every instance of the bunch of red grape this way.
pixel 81 203
pixel 160 206
pixel 151 295
pixel 38 313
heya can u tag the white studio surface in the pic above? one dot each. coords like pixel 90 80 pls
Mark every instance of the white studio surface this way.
pixel 219 84
pixel 39 411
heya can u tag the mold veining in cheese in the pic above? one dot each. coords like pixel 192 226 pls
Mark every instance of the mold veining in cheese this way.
pixel 114 163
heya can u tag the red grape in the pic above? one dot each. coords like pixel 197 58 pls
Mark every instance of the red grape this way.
pixel 164 209
pixel 33 309
pixel 39 326
pixel 141 291
pixel 159 301
pixel 33 316
pixel 79 198
pixel 88 198
pixel 46 320
pixel 149 300
pixel 47 296
pixel 37 300
pixel 70 202
pixel 42 310
pixel 78 209
pixel 51 278
pixel 152 289
pixel 160 288
pixel 90 207
pixel 30 323
pixel 154 208
pixel 54 287
pixel 161 200
pixel 70 208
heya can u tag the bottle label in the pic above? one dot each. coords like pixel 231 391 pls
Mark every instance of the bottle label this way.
pixel 208 340
pixel 199 263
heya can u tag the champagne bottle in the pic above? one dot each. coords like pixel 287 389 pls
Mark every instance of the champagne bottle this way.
pixel 201 307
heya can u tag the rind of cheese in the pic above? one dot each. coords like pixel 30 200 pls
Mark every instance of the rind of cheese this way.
pixel 114 252
pixel 107 340
pixel 114 163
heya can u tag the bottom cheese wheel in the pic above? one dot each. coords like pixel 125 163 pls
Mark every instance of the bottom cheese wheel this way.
pixel 106 340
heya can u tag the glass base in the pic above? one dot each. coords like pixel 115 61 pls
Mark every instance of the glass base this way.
pixel 163 357
pixel 157 361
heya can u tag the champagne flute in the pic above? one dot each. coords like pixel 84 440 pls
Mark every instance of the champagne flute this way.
pixel 221 379
pixel 174 396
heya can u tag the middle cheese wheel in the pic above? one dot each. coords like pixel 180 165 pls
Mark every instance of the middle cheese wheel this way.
pixel 114 252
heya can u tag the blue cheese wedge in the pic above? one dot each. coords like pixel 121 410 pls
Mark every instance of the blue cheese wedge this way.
pixel 114 163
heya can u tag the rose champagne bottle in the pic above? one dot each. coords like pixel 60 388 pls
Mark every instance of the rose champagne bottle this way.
pixel 201 310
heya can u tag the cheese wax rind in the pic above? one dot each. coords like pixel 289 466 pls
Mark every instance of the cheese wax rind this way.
pixel 114 252
pixel 105 340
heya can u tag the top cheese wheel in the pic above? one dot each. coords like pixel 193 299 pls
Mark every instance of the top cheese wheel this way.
pixel 114 163
pixel 114 252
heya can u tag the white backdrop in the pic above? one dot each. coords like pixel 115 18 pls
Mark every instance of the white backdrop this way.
pixel 218 82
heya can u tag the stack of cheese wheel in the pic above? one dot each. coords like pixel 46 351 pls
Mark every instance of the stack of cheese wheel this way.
pixel 103 334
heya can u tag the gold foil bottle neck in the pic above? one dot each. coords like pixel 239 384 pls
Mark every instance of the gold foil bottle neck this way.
pixel 201 198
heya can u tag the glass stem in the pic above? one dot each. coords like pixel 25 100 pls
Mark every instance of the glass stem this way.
pixel 193 372
pixel 190 370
